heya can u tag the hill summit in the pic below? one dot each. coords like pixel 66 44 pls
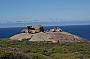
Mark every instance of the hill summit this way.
pixel 38 34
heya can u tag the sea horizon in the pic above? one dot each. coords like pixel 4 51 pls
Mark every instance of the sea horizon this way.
pixel 24 25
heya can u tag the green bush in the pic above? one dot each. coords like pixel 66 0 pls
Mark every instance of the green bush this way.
pixel 43 50
pixel 38 56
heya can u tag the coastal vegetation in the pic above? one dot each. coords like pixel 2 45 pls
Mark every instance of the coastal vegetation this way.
pixel 43 50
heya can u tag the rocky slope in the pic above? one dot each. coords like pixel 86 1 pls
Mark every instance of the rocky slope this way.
pixel 48 36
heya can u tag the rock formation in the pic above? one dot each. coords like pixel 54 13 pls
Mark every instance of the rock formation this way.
pixel 54 35
pixel 33 30
pixel 55 30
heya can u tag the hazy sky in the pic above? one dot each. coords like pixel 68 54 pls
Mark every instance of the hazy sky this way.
pixel 44 10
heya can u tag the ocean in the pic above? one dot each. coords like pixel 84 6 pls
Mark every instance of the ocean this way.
pixel 79 30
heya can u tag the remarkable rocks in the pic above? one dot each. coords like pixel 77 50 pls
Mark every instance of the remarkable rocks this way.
pixel 54 35
pixel 33 30
pixel 56 30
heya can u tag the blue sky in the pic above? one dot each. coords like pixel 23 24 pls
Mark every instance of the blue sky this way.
pixel 63 11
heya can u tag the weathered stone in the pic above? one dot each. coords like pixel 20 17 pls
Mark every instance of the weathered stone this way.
pixel 21 36
pixel 33 30
pixel 55 30
pixel 24 31
pixel 48 36
pixel 39 28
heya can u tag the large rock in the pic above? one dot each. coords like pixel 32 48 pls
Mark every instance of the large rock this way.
pixel 33 30
pixel 48 36
pixel 39 28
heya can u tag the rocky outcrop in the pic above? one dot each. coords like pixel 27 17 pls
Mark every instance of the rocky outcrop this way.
pixel 54 35
pixel 33 30
pixel 48 36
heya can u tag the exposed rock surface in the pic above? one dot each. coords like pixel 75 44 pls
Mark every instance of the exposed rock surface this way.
pixel 54 35
pixel 48 36
pixel 21 36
